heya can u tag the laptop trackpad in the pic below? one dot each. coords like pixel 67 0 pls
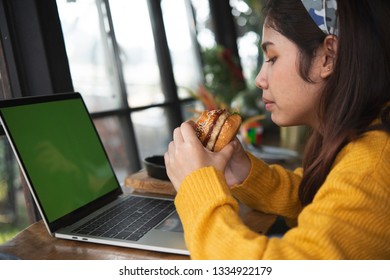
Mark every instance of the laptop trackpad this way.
pixel 172 223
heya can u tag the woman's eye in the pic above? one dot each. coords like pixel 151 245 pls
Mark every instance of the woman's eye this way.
pixel 271 60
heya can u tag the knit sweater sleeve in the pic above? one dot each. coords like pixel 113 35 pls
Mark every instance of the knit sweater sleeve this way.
pixel 349 217
pixel 270 189
pixel 210 219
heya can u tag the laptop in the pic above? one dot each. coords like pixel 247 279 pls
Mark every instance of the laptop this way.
pixel 73 183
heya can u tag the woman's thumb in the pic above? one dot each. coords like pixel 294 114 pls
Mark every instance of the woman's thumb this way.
pixel 228 150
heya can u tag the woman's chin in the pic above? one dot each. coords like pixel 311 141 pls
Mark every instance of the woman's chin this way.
pixel 282 122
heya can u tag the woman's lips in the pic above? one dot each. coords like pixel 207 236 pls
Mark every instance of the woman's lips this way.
pixel 268 104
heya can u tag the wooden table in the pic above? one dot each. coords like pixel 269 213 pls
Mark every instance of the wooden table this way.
pixel 35 243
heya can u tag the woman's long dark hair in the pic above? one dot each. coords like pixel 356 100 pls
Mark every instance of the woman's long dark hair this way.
pixel 358 91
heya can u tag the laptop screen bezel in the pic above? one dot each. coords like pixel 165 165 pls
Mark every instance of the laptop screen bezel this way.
pixel 82 211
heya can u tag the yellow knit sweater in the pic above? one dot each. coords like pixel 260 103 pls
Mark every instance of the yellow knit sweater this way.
pixel 349 217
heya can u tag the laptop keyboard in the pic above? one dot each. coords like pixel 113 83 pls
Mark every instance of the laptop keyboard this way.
pixel 129 220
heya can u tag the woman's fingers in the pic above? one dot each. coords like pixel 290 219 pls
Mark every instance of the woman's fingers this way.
pixel 177 136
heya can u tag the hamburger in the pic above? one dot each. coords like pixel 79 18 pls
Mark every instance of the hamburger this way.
pixel 216 128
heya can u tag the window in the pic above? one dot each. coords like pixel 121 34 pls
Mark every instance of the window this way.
pixel 13 214
pixel 118 64
pixel 249 22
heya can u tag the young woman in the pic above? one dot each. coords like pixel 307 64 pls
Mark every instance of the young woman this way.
pixel 328 67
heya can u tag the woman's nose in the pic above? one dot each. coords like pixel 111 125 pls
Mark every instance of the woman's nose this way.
pixel 261 81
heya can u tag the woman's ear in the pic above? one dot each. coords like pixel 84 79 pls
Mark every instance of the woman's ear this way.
pixel 329 48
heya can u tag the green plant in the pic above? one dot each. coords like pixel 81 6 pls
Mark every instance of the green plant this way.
pixel 223 75
pixel 7 233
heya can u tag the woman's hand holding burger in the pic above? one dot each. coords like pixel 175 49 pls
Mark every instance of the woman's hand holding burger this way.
pixel 188 152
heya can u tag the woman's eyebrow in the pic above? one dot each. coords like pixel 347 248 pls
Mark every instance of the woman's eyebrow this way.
pixel 265 45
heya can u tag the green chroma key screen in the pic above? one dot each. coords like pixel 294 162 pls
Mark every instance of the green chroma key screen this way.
pixel 62 154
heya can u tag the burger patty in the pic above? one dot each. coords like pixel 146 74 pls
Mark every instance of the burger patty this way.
pixel 214 130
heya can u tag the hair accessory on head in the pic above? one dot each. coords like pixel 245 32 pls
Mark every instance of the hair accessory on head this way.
pixel 323 13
